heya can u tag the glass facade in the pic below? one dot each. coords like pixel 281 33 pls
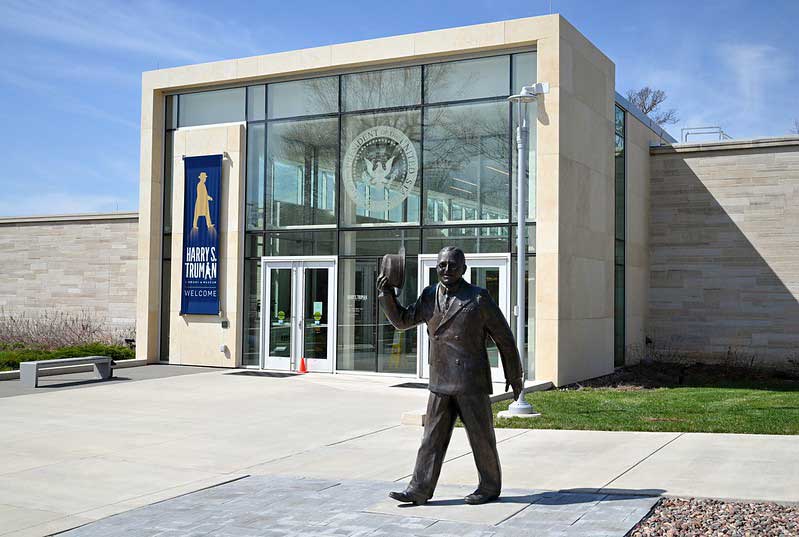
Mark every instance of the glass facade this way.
pixel 362 164
pixel 467 163
pixel 302 159
pixel 389 88
pixel 620 187
pixel 207 107
pixel 171 121
pixel 373 162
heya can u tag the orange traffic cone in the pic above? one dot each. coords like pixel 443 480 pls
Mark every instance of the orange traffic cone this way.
pixel 303 368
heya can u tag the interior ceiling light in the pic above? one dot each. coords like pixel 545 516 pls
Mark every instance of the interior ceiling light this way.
pixel 503 172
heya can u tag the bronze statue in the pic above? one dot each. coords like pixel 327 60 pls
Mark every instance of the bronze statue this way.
pixel 459 318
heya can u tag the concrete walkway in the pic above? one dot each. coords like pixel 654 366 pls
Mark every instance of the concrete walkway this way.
pixel 72 457
pixel 282 506
pixel 74 381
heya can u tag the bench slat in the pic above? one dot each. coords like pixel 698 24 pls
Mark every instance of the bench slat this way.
pixel 70 361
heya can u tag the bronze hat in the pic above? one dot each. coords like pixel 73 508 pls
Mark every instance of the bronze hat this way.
pixel 393 268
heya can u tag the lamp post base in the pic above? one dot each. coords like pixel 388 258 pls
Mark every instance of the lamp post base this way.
pixel 519 409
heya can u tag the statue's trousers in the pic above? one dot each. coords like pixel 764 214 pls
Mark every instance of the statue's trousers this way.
pixel 474 411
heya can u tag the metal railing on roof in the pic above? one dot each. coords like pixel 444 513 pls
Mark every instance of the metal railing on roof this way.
pixel 703 131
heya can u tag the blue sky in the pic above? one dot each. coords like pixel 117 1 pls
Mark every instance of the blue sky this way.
pixel 70 71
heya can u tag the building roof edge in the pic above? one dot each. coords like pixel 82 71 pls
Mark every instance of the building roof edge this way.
pixel 78 217
pixel 726 145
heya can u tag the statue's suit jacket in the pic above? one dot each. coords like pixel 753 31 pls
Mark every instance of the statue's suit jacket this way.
pixel 458 358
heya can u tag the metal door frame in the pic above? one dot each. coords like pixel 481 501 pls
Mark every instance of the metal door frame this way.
pixel 499 260
pixel 297 264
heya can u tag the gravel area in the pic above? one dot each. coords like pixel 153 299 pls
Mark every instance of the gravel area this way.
pixel 695 517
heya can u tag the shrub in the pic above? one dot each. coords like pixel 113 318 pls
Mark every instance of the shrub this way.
pixel 53 329
pixel 10 359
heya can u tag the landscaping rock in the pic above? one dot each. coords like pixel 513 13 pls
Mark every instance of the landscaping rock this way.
pixel 701 517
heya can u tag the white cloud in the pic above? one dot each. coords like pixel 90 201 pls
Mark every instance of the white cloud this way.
pixel 64 102
pixel 126 27
pixel 732 85
pixel 751 69
pixel 53 64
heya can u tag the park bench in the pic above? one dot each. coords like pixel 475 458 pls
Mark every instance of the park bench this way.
pixel 29 371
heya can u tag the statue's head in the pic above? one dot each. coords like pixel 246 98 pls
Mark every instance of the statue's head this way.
pixel 451 265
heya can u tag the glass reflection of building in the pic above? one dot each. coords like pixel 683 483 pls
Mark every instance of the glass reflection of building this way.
pixel 460 125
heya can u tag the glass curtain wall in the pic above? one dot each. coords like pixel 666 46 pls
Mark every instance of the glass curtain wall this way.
pixel 363 164
pixel 619 295
pixel 171 123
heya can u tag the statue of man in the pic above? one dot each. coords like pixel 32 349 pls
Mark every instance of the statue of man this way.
pixel 459 318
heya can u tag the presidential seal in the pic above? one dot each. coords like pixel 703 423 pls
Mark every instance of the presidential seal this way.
pixel 380 157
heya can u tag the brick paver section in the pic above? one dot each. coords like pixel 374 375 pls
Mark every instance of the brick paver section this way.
pixel 287 506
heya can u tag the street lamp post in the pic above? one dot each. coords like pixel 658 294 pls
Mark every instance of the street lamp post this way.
pixel 528 94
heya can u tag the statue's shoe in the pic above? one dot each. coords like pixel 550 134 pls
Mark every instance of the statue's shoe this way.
pixel 407 497
pixel 478 497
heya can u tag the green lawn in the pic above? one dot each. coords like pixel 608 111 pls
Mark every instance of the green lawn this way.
pixel 716 409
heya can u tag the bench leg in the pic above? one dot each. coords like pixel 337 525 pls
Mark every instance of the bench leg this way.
pixel 103 371
pixel 29 375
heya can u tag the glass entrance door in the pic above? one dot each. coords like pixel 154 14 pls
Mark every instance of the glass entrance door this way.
pixel 300 314
pixel 489 271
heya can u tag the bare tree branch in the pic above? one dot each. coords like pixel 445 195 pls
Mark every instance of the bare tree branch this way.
pixel 795 129
pixel 648 100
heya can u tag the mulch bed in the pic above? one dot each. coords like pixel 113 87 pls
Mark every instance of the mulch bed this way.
pixel 667 375
pixel 698 517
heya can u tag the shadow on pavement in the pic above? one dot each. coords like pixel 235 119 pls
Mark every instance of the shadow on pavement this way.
pixel 81 382
pixel 561 497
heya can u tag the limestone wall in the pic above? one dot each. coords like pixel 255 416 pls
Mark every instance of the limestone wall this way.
pixel 724 251
pixel 637 139
pixel 70 263
pixel 574 200
pixel 206 339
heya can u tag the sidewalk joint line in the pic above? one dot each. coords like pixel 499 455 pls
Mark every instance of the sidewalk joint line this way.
pixel 517 512
pixel 362 435
pixel 276 459
pixel 639 462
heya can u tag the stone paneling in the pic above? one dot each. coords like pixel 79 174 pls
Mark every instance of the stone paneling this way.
pixel 207 339
pixel 724 251
pixel 83 264
pixel 574 199
pixel 638 137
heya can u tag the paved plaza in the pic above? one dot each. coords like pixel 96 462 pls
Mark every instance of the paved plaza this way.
pixel 284 506
pixel 74 457
pixel 74 381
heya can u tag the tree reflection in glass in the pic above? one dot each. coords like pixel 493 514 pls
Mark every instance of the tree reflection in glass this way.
pixel 466 152
pixel 301 173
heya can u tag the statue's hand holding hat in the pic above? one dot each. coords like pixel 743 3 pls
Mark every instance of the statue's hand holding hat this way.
pixel 392 268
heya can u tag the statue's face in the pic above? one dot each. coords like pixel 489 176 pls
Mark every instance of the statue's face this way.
pixel 450 267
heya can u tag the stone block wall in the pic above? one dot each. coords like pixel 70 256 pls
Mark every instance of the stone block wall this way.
pixel 70 263
pixel 638 137
pixel 724 252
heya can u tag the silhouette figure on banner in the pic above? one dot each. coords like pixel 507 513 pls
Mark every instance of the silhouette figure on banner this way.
pixel 201 207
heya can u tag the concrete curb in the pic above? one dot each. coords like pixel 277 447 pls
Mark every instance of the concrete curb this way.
pixel 417 417
pixel 11 375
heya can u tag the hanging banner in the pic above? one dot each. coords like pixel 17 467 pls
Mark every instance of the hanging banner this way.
pixel 199 293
